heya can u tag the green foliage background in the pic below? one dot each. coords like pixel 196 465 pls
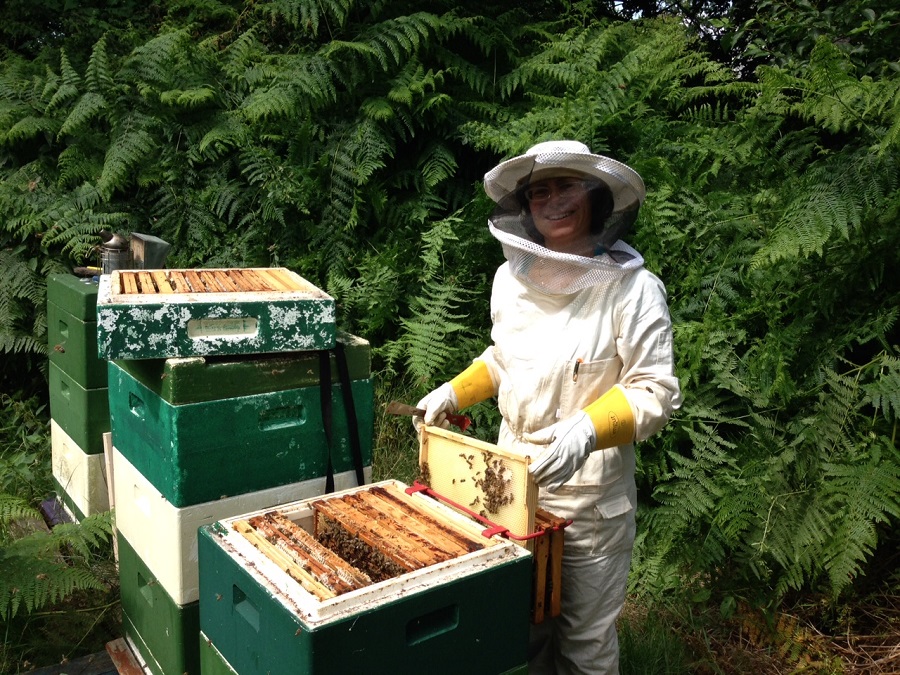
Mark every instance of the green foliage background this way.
pixel 346 140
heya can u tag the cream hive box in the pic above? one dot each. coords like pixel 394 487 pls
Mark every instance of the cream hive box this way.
pixel 80 478
pixel 154 314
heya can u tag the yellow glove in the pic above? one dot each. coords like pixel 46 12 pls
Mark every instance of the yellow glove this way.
pixel 612 418
pixel 473 385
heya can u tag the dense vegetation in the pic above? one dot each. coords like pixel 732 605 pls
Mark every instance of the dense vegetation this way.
pixel 346 141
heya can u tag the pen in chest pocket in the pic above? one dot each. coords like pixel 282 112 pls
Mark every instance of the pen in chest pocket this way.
pixel 578 362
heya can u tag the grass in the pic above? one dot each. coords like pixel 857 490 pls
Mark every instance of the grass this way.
pixel 650 644
pixel 804 637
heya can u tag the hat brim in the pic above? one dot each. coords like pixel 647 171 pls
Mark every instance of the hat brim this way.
pixel 625 183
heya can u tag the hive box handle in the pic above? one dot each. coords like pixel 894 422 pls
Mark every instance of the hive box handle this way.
pixel 136 405
pixel 245 607
pixel 430 625
pixel 282 418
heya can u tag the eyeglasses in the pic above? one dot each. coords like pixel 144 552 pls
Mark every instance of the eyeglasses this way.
pixel 563 187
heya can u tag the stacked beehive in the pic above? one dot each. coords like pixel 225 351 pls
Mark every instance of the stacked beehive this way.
pixel 220 386
pixel 79 407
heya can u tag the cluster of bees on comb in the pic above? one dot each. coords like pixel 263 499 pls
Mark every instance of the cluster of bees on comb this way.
pixel 493 483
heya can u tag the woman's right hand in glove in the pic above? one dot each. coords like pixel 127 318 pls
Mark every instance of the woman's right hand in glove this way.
pixel 436 406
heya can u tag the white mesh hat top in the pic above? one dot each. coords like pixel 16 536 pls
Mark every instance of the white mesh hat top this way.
pixel 609 182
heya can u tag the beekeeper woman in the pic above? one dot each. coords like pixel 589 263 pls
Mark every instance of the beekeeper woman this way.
pixel 581 364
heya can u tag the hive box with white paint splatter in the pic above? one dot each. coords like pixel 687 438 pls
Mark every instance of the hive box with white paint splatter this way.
pixel 150 314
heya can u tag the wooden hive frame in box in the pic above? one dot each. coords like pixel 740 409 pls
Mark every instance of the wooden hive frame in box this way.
pixel 493 485
pixel 166 282
pixel 465 614
pixel 358 539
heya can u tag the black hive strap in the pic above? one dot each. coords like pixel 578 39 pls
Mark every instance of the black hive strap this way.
pixel 350 410
pixel 325 401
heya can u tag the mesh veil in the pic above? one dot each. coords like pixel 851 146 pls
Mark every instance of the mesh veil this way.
pixel 512 224
pixel 560 273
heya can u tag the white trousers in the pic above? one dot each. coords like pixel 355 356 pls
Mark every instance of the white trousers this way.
pixel 583 640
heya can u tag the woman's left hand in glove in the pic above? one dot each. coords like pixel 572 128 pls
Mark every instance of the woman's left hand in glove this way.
pixel 569 442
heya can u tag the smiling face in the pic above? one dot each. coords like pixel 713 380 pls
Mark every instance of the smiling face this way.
pixel 561 210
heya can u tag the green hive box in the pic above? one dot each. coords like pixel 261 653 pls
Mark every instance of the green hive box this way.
pixel 154 314
pixel 72 329
pixel 213 663
pixel 195 448
pixel 211 660
pixel 468 615
pixel 77 296
pixel 82 413
pixel 163 632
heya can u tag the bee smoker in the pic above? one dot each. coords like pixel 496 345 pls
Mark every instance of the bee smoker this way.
pixel 115 252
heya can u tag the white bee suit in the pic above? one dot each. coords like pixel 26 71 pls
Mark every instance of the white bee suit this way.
pixel 552 355
pixel 581 359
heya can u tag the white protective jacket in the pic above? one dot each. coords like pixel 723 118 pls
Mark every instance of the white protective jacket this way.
pixel 618 333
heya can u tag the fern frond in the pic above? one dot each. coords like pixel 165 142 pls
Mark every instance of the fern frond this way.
pixel 241 55
pixel 463 71
pixel 228 131
pixel 13 508
pixel 33 574
pixel 305 82
pixel 77 230
pixel 99 75
pixel 28 128
pixel 307 15
pixel 61 96
pixel 864 493
pixel 65 88
pixel 128 150
pixel 830 203
pixel 19 279
pixel 697 490
pixel 226 201
pixel 22 305
pixel 389 43
pixel 153 65
pixel 437 164
pixel 884 392
pixel 87 534
pixel 435 322
pixel 76 167
pixel 412 83
pixel 89 106
pixel 189 99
